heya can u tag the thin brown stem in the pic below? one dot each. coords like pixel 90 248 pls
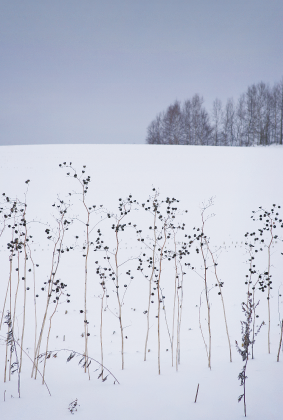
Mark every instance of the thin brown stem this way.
pixel 180 296
pixel 268 288
pixel 25 291
pixel 280 342
pixel 34 301
pixel 150 284
pixel 174 302
pixel 222 299
pixel 47 341
pixel 158 292
pixel 118 295
pixel 200 327
pixel 85 293
pixel 54 267
pixel 208 307
pixel 101 331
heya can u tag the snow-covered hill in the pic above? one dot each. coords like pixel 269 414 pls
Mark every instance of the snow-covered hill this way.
pixel 231 183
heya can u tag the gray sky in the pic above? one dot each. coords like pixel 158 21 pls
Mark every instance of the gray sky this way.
pixel 89 71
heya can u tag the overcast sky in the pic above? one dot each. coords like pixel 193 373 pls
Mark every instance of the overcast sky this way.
pixel 99 71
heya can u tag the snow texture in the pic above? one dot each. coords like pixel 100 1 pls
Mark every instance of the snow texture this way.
pixel 239 180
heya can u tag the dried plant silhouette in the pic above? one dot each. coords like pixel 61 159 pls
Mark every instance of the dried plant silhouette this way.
pixel 248 310
pixel 83 182
pixel 115 263
pixel 220 284
pixel 271 220
pixel 11 343
pixel 53 287
pixel 74 354
pixel 73 406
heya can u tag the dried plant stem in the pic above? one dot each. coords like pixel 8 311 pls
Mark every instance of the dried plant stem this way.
pixel 174 302
pixel 84 185
pixel 268 276
pixel 16 296
pixel 222 299
pixel 206 291
pixel 118 295
pixel 7 290
pixel 75 353
pixel 178 336
pixel 243 350
pixel 254 317
pixel 158 293
pixel 6 360
pixel 25 297
pixel 209 329
pixel 8 286
pixel 200 327
pixel 148 307
pixel 208 310
pixel 150 283
pixel 47 341
pixel 280 341
pixel 268 288
pixel 36 369
pixel 85 294
pixel 4 225
pixel 10 309
pixel 197 394
pixel 17 288
pixel 54 267
pixel 12 344
pixel 101 331
pixel 17 344
pixel 9 282
pixel 245 369
pixel 180 296
pixel 34 300
pixel 165 317
pixel 120 302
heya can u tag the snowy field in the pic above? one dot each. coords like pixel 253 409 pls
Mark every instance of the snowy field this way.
pixel 230 183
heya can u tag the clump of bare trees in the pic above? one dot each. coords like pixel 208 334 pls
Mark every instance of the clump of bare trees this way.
pixel 255 119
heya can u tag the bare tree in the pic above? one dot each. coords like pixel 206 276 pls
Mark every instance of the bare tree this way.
pixel 257 119
pixel 240 119
pixel 187 123
pixel 155 131
pixel 172 124
pixel 281 113
pixel 216 121
pixel 228 124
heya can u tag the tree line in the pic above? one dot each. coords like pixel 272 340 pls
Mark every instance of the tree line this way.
pixel 255 119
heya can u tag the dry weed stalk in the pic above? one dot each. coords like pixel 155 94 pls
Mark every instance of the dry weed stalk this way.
pixel 11 342
pixel 248 309
pixel 62 226
pixel 124 208
pixel 271 221
pixel 220 285
pixel 83 181
pixel 206 291
pixel 34 301
pixel 103 280
pixel 114 264
pixel 280 341
pixel 155 207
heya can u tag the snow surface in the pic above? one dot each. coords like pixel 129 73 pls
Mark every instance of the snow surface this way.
pixel 239 180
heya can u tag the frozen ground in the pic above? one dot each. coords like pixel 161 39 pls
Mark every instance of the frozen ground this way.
pixel 239 180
